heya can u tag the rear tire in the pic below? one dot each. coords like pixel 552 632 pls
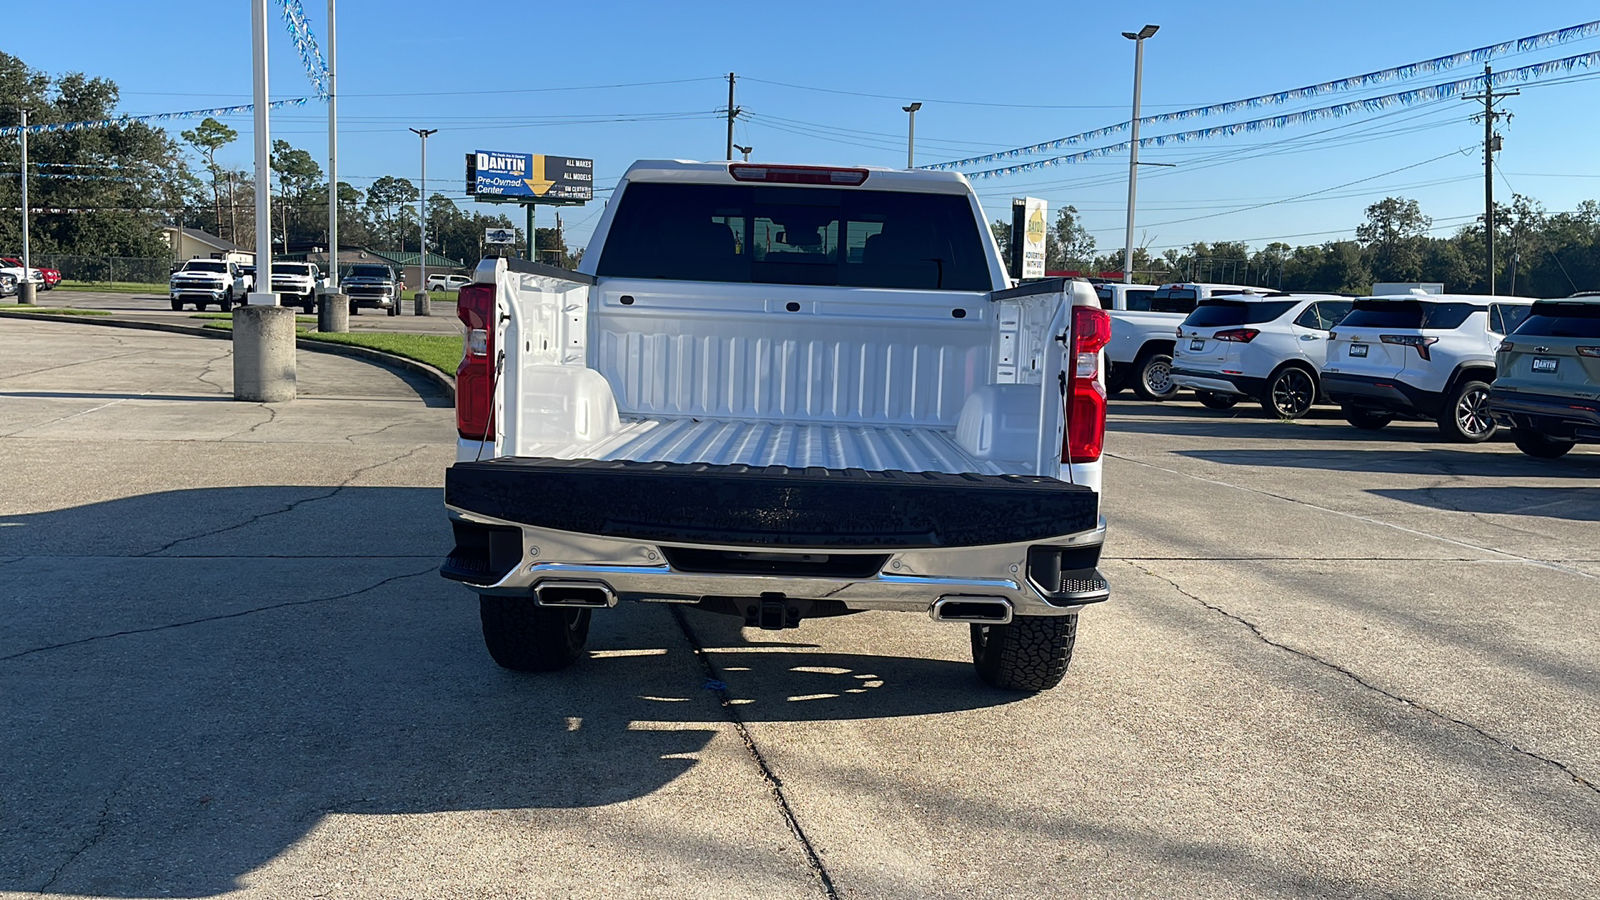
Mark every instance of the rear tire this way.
pixel 1153 376
pixel 1540 446
pixel 1290 393
pixel 200 307
pixel 1366 419
pixel 1217 401
pixel 1029 654
pixel 524 637
pixel 1465 417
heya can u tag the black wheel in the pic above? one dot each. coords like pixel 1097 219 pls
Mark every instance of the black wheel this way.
pixel 394 308
pixel 523 637
pixel 1029 654
pixel 355 308
pixel 227 301
pixel 1290 393
pixel 1465 417
pixel 1366 419
pixel 1217 401
pixel 200 307
pixel 177 306
pixel 1153 376
pixel 1541 446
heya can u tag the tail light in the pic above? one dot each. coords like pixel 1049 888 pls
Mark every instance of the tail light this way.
pixel 475 375
pixel 1237 335
pixel 1411 340
pixel 1589 351
pixel 1086 389
pixel 1504 346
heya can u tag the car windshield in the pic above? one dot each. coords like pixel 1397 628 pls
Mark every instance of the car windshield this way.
pixel 1225 313
pixel 291 269
pixel 796 235
pixel 1409 314
pixel 1577 320
pixel 369 272
pixel 205 266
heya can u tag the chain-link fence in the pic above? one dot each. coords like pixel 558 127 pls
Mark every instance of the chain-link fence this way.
pixel 107 268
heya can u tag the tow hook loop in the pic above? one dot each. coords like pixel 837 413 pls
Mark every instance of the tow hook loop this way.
pixel 773 613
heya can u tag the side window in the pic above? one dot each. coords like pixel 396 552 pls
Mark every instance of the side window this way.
pixel 1332 312
pixel 1505 317
pixel 1308 318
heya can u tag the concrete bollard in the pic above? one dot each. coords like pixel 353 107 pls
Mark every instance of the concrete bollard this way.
pixel 25 293
pixel 263 353
pixel 422 306
pixel 333 314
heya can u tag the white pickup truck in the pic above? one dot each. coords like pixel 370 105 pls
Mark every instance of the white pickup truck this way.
pixel 1144 325
pixel 778 393
pixel 207 281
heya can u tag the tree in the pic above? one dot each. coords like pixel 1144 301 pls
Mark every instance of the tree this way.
pixel 298 175
pixel 207 138
pixel 1068 246
pixel 1393 237
pixel 394 198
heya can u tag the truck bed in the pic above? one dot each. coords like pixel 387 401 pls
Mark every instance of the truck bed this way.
pixel 873 448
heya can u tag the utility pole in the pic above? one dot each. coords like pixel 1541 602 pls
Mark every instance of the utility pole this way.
pixel 333 154
pixel 233 212
pixel 25 292
pixel 732 112
pixel 422 210
pixel 1491 143
pixel 559 245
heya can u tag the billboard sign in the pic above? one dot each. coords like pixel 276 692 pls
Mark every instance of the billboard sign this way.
pixel 535 177
pixel 499 236
pixel 1032 233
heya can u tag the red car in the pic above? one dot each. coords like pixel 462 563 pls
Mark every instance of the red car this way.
pixel 52 277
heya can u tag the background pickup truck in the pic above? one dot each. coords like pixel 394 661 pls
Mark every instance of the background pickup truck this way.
pixel 1144 325
pixel 777 393
pixel 207 281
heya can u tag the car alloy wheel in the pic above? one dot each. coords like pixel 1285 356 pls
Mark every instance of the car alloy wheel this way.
pixel 1472 413
pixel 1292 394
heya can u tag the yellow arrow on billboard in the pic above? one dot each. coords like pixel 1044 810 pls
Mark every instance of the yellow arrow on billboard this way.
pixel 537 183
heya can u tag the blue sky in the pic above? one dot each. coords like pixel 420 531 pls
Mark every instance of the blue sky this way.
pixel 498 76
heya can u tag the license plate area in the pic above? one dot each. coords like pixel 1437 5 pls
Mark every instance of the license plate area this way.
pixel 1545 363
pixel 1197 344
pixel 1358 350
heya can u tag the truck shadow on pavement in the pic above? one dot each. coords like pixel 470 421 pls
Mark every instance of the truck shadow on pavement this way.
pixel 1421 460
pixel 1576 504
pixel 172 723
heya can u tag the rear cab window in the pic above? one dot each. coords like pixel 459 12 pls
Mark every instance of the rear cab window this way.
pixel 1557 319
pixel 796 235
pixel 1178 300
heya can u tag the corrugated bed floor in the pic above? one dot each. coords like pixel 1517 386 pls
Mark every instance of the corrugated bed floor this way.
pixel 720 442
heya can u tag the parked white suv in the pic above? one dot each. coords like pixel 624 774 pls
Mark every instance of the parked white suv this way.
pixel 1420 356
pixel 1268 347
pixel 1142 323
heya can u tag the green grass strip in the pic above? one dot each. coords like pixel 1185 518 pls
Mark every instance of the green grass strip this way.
pixel 442 351
pixel 114 287
pixel 54 310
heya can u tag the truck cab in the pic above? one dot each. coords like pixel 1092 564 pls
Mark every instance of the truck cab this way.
pixel 780 393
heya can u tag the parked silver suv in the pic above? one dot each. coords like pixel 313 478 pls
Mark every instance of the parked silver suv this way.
pixel 1547 390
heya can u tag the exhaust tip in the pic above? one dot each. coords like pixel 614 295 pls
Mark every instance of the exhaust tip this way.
pixel 575 594
pixel 982 610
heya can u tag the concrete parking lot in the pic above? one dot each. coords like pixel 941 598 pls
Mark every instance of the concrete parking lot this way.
pixel 1335 664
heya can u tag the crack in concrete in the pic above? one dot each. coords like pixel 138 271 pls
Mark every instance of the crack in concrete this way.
pixel 774 784
pixel 1359 680
pixel 211 364
pixel 288 508
pixel 83 362
pixel 351 438
pixel 102 825
pixel 287 604
pixel 272 416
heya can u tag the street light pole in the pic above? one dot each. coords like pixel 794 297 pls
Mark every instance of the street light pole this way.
pixel 262 295
pixel 422 209
pixel 911 135
pixel 1138 39
pixel 333 154
pixel 25 292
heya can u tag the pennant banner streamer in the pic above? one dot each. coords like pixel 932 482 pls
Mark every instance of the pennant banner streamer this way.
pixel 158 117
pixel 1411 70
pixel 294 18
pixel 1375 104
